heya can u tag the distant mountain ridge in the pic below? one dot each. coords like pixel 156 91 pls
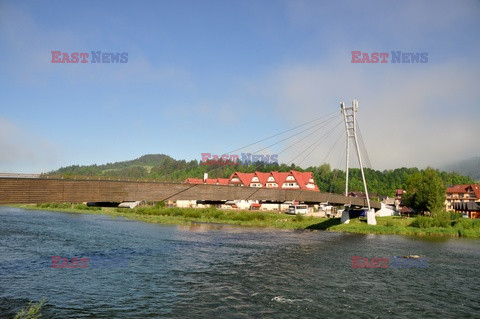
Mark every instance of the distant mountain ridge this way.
pixel 468 167
pixel 148 159
pixel 146 162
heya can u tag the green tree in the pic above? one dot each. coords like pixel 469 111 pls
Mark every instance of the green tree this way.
pixel 425 191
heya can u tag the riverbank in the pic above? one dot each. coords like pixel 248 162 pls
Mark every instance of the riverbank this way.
pixel 175 215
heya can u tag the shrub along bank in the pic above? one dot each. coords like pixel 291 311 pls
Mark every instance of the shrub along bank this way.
pixel 440 224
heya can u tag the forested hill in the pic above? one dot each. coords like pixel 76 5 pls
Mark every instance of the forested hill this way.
pixel 165 168
pixel 132 168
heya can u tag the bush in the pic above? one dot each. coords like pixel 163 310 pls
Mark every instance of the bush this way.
pixel 389 223
pixel 422 222
pixel 192 213
pixel 455 216
pixel 81 206
pixel 299 218
pixel 466 223
pixel 160 204
pixel 441 220
pixel 212 212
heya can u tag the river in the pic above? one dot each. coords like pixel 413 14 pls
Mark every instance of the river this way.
pixel 141 270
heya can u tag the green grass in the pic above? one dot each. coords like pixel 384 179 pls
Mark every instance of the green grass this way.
pixel 31 311
pixel 422 226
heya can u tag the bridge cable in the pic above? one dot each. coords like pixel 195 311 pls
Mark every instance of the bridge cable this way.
pixel 319 141
pixel 363 148
pixel 293 135
pixel 335 173
pixel 296 143
pixel 179 192
pixel 275 135
pixel 307 129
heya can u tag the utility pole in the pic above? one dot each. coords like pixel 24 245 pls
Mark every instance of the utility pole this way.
pixel 349 116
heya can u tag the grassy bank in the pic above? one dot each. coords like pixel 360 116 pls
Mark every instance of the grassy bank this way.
pixel 424 226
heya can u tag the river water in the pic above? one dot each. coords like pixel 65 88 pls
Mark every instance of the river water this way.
pixel 146 270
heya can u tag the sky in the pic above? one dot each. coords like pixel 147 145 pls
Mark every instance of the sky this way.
pixel 210 76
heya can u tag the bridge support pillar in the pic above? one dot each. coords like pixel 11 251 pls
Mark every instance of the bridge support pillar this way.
pixel 371 217
pixel 345 217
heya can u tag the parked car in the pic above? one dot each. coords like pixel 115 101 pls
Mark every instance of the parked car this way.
pixel 297 209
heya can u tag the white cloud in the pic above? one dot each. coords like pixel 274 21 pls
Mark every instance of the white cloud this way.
pixel 410 115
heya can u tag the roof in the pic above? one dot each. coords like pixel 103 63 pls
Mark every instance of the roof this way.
pixel 217 181
pixel 406 209
pixel 301 178
pixel 211 181
pixel 192 180
pixel 279 177
pixel 223 181
pixel 466 188
pixel 262 177
pixel 245 178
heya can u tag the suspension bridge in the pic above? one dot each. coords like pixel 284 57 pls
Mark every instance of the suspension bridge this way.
pixel 16 189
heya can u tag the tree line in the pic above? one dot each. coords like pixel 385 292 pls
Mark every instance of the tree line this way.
pixel 165 168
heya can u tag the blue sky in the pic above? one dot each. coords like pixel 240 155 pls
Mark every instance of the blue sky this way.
pixel 212 76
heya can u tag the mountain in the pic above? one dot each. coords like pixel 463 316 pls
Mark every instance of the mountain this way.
pixel 468 167
pixel 138 167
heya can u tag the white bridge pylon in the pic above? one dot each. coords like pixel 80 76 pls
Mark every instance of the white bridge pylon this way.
pixel 349 116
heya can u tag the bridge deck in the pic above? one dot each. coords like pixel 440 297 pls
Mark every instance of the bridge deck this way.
pixel 42 190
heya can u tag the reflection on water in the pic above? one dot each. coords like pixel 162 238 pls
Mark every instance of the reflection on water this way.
pixel 205 270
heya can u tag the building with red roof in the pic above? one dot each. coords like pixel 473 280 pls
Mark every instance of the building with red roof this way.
pixel 192 180
pixel 469 193
pixel 283 180
pixel 241 179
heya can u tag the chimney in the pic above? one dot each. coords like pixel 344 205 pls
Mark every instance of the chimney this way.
pixel 205 176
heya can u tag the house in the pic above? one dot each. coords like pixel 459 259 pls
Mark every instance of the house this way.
pixel 387 200
pixel 469 193
pixel 241 179
pixel 399 193
pixel 291 180
pixel 406 211
pixel 284 180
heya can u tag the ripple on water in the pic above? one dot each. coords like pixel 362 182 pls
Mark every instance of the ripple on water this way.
pixel 222 271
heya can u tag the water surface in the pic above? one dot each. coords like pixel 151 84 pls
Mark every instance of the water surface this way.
pixel 205 271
